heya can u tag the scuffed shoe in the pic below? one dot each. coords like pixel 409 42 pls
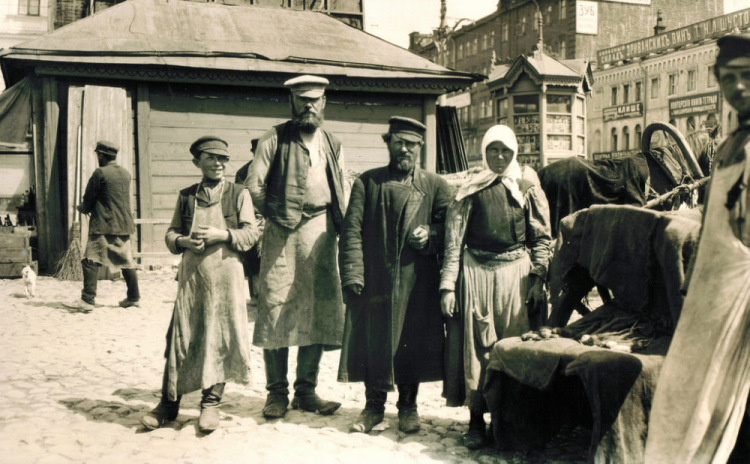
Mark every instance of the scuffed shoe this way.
pixel 209 419
pixel 316 404
pixel 275 406
pixel 159 416
pixel 475 439
pixel 408 422
pixel 80 305
pixel 366 421
pixel 127 303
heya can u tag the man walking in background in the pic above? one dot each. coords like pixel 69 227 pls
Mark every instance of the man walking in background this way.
pixel 107 200
pixel 296 180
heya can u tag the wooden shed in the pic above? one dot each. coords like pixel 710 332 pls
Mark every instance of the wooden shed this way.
pixel 154 75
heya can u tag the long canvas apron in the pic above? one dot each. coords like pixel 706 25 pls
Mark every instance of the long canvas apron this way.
pixel 702 391
pixel 209 338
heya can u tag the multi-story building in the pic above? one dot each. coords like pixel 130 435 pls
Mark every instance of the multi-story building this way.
pixel 22 20
pixel 667 77
pixel 571 29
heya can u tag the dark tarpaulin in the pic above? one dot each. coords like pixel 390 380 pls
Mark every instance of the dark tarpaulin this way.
pixel 572 184
pixel 15 116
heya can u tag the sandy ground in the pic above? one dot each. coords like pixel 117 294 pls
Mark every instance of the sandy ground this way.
pixel 74 387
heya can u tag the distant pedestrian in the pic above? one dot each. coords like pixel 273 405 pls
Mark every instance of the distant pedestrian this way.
pixel 251 258
pixel 297 182
pixel 390 274
pixel 107 200
pixel 498 238
pixel 207 340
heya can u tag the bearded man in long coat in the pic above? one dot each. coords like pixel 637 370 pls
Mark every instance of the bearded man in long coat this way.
pixel 390 275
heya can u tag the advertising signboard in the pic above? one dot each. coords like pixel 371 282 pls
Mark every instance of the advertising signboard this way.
pixel 710 28
pixel 695 104
pixel 631 110
pixel 587 17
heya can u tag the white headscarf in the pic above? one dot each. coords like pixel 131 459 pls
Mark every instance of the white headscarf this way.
pixel 510 175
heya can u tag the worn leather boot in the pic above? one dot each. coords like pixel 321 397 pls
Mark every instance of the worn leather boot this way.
pixel 408 422
pixel 276 406
pixel 476 437
pixel 209 418
pixel 316 404
pixel 366 421
pixel 160 415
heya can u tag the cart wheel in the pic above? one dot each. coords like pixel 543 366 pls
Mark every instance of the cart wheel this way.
pixel 682 144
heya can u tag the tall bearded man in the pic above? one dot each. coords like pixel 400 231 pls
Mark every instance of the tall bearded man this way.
pixel 296 180
pixel 390 276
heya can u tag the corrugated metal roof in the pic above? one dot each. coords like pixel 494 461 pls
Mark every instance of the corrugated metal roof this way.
pixel 239 38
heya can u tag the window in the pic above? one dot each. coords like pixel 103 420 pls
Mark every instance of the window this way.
pixel 28 7
pixel 637 92
pixel 460 51
pixel 558 104
pixel 672 89
pixel 626 137
pixel 563 8
pixel 503 109
pixel 485 41
pixel 654 88
pixel 548 15
pixel 691 124
pixel 614 139
pixel 691 79
pixel 475 49
pixel 526 104
pixel 562 48
pixel 492 39
pixel 505 32
pixel 711 77
pixel 638 134
pixel 613 101
pixel 626 93
pixel 523 25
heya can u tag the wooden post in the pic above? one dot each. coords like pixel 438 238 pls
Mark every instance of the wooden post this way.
pixel 145 207
pixel 430 146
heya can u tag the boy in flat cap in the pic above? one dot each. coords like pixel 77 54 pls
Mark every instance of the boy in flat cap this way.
pixel 390 275
pixel 701 397
pixel 207 340
pixel 107 200
pixel 297 182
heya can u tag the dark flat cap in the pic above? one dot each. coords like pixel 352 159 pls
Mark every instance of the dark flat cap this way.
pixel 209 144
pixel 307 86
pixel 734 50
pixel 106 148
pixel 408 128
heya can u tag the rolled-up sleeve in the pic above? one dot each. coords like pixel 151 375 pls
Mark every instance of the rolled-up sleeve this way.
pixel 258 172
pixel 175 228
pixel 455 229
pixel 538 235
pixel 243 238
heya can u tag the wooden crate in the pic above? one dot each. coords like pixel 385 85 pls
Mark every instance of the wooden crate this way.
pixel 13 241
pixel 15 255
pixel 14 269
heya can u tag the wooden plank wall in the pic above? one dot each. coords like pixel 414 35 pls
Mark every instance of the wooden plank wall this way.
pixel 169 120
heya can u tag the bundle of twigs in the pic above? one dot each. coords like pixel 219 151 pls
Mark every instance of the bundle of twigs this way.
pixel 69 266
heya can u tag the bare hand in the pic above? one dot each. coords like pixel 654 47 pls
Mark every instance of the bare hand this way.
pixel 193 244
pixel 210 234
pixel 419 237
pixel 351 292
pixel 448 303
pixel 535 292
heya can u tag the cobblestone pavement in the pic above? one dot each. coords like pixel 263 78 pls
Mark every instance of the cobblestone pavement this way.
pixel 74 387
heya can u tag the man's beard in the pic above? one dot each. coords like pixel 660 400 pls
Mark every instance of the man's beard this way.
pixel 307 121
pixel 403 165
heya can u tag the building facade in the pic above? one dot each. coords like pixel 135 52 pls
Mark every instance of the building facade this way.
pixel 571 29
pixel 664 78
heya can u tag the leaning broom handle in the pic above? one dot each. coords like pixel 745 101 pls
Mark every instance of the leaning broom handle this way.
pixel 77 190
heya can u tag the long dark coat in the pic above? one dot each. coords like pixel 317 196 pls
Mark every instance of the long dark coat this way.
pixel 394 330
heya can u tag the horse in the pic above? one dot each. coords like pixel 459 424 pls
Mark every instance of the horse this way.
pixel 574 183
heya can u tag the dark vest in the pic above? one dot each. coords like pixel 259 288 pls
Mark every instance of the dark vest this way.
pixel 286 182
pixel 497 223
pixel 228 205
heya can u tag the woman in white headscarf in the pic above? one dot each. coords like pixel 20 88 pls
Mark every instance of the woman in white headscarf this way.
pixel 498 237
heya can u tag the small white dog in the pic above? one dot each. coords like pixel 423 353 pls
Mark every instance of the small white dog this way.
pixel 29 281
